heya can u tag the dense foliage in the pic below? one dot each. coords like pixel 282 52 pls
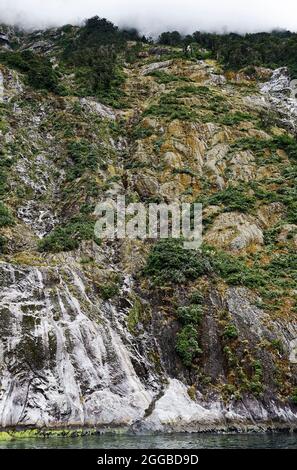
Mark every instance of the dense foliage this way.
pixel 94 55
pixel 38 69
pixel 190 316
pixel 169 262
pixel 237 51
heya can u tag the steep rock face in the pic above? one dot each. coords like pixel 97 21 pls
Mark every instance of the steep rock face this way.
pixel 63 361
pixel 86 338
pixel 66 360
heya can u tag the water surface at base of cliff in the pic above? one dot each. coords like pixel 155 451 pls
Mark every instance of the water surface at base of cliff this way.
pixel 161 441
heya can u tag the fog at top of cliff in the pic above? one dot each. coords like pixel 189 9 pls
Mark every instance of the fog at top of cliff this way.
pixel 154 16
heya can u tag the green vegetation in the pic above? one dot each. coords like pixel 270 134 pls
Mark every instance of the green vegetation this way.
pixel 142 132
pixel 234 199
pixel 176 105
pixel 45 433
pixel 187 345
pixel 93 54
pixel 184 171
pixel 230 332
pixel 191 314
pixel 69 236
pixel 169 262
pixel 294 396
pixel 108 291
pixel 171 108
pixel 244 371
pixel 188 90
pixel 170 38
pixel 256 385
pixel 38 69
pixel 278 275
pixel 232 119
pixel 165 78
pixel 283 142
pixel 134 316
pixel 3 243
pixel 6 218
pixel 5 165
pixel 237 51
pixel 85 157
pixel 196 298
pixel 139 315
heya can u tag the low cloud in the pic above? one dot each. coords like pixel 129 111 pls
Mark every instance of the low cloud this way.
pixel 154 16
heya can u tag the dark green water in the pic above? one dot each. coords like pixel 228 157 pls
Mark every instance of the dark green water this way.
pixel 161 441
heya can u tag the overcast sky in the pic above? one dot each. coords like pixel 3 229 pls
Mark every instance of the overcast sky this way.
pixel 153 16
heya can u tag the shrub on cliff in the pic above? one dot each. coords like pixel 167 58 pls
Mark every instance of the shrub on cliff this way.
pixel 187 345
pixel 69 236
pixel 6 218
pixel 38 69
pixel 169 262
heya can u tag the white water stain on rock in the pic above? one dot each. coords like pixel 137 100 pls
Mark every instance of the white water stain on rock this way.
pixel 60 366
pixel 277 92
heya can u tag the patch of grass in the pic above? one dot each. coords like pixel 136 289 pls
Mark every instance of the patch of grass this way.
pixel 196 298
pixel 176 105
pixel 234 270
pixel 169 263
pixel 184 171
pixel 283 142
pixel 134 316
pixel 142 132
pixel 187 90
pixel 171 107
pixel 255 385
pixel 5 165
pixel 171 110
